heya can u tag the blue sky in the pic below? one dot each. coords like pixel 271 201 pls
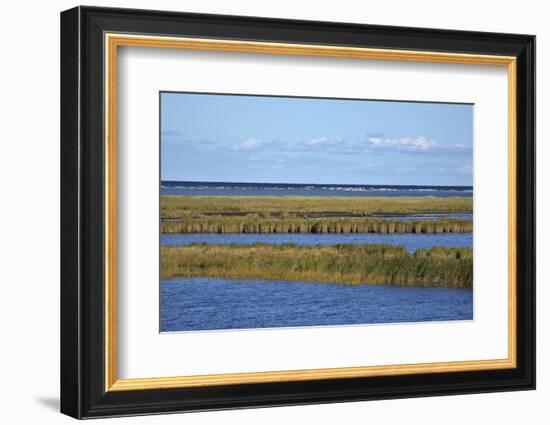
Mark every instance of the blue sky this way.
pixel 235 138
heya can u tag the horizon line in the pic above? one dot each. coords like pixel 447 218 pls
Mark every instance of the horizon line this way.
pixel 314 184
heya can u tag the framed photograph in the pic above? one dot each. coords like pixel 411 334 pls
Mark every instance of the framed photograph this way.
pixel 261 212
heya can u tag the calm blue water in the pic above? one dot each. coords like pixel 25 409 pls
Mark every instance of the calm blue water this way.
pixel 411 241
pixel 207 304
pixel 288 189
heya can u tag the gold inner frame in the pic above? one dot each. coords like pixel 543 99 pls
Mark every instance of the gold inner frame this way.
pixel 113 41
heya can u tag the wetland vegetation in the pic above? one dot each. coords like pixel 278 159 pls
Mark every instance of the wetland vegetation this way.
pixel 342 264
pixel 303 206
pixel 264 214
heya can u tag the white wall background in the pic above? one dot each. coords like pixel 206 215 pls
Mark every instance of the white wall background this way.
pixel 29 224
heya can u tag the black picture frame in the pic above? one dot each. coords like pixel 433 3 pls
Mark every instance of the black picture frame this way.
pixel 83 392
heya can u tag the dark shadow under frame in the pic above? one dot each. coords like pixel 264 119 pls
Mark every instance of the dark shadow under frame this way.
pixel 82 186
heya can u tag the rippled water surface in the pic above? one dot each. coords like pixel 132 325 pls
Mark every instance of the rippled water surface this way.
pixel 289 189
pixel 207 304
pixel 411 241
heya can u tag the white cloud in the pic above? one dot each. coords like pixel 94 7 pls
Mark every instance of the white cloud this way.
pixel 248 145
pixel 404 143
pixel 323 141
pixel 340 145
pixel 459 147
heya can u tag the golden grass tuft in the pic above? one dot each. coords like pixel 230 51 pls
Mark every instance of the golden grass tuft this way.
pixel 343 264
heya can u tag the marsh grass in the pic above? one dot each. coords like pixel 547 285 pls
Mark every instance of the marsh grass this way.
pixel 342 264
pixel 173 206
pixel 249 224
pixel 291 214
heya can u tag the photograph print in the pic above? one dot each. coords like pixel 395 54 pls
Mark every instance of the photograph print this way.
pixel 281 212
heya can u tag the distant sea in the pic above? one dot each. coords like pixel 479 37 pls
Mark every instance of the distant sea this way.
pixel 290 189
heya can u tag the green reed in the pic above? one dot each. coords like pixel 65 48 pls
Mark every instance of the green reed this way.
pixel 249 224
pixel 341 264
pixel 189 206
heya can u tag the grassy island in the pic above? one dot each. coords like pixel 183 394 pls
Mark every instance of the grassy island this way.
pixel 220 224
pixel 342 264
pixel 314 214
pixel 173 206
